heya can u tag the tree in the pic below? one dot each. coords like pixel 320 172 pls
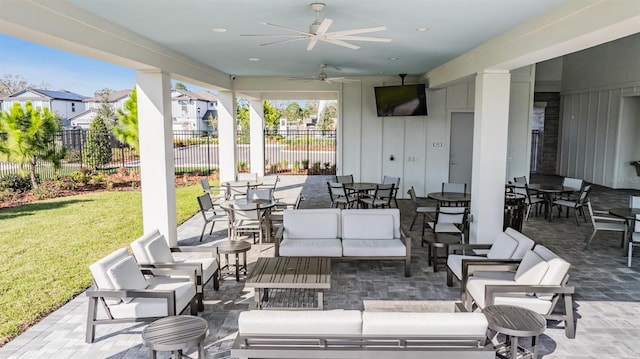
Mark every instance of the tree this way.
pixel 97 151
pixel 126 127
pixel 328 116
pixel 242 115
pixel 271 115
pixel 311 109
pixel 180 86
pixel 105 111
pixel 293 112
pixel 30 135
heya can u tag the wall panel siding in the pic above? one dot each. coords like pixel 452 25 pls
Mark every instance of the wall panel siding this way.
pixel 600 143
pixel 415 135
pixel 590 138
pixel 612 138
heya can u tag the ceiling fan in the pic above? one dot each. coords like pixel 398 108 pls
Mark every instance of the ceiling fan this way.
pixel 318 32
pixel 323 77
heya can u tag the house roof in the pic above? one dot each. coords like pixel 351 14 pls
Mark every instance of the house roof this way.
pixel 113 96
pixel 53 95
pixel 197 95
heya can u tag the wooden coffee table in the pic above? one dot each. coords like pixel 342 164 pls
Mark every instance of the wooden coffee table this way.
pixel 289 273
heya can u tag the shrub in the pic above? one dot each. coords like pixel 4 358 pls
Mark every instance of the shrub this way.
pixel 49 189
pixel 15 182
pixel 83 176
pixel 305 164
pixel 242 166
pixel 296 166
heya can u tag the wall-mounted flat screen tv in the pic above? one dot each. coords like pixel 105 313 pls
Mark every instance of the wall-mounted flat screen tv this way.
pixel 403 100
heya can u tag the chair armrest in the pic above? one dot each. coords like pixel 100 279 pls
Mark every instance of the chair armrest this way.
pixel 209 250
pixel 461 247
pixel 180 267
pixel 277 239
pixel 406 238
pixel 191 273
pixel 611 219
pixel 138 293
pixel 492 289
pixel 470 265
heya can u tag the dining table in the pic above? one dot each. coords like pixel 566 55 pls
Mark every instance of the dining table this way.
pixel 262 204
pixel 629 215
pixel 360 189
pixel 549 191
pixel 447 198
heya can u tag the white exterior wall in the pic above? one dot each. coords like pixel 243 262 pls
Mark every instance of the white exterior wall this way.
pixel 594 85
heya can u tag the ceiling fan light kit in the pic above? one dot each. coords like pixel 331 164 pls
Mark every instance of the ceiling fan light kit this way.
pixel 318 31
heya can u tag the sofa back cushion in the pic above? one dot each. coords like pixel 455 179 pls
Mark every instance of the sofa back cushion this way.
pixel 300 322
pixel 126 275
pixel 424 324
pixel 371 223
pixel 321 223
pixel 524 243
pixel 531 270
pixel 503 247
pixel 158 250
pixel 99 271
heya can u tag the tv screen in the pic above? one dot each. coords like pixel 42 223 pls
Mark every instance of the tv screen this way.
pixel 404 100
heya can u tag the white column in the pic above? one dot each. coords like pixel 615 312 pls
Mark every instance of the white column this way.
pixel 491 125
pixel 227 135
pixel 156 154
pixel 256 136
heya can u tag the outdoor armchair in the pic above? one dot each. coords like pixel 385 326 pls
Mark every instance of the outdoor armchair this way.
pixel 152 251
pixel 128 293
pixel 602 222
pixel 216 192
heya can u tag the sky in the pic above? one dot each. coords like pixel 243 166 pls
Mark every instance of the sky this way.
pixel 63 70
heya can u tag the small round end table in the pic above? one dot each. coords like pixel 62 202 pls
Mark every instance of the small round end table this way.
pixel 236 248
pixel 175 334
pixel 515 322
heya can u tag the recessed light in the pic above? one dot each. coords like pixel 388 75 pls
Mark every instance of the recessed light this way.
pixel 393 58
pixel 254 59
pixel 421 29
pixel 219 29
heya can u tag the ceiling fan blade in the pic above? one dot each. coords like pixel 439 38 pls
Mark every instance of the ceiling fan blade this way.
pixel 357 31
pixel 342 43
pixel 275 35
pixel 342 79
pixel 309 78
pixel 312 44
pixel 364 38
pixel 287 28
pixel 282 41
pixel 324 26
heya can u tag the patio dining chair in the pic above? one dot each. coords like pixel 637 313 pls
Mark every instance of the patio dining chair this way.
pixel 396 184
pixel 217 193
pixel 634 201
pixel 210 215
pixel 339 195
pixel 602 222
pixel 577 205
pixel 448 228
pixel 635 239
pixel 381 197
pixel 344 179
pixel 243 176
pixel 247 219
pixel 530 200
pixel 426 211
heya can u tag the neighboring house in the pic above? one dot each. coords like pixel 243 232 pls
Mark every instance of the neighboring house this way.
pixel 64 104
pixel 83 120
pixel 191 110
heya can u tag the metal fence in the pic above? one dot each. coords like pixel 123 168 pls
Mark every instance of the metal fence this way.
pixel 286 152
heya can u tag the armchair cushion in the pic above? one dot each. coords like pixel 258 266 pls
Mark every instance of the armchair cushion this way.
pixel 531 270
pixel 158 250
pixel 367 226
pixel 100 276
pixel 524 243
pixel 156 307
pixel 558 269
pixel 373 248
pixel 126 275
pixel 312 223
pixel 503 247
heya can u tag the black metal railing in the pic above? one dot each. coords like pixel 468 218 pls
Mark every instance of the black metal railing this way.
pixel 300 151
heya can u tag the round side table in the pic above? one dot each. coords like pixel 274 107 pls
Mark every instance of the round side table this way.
pixel 235 248
pixel 515 322
pixel 175 334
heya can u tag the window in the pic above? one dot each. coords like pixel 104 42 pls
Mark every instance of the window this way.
pixel 73 107
pixel 184 107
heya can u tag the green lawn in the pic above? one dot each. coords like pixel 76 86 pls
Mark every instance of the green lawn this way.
pixel 47 247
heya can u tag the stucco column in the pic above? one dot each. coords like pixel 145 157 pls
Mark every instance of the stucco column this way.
pixel 490 130
pixel 156 154
pixel 227 135
pixel 256 136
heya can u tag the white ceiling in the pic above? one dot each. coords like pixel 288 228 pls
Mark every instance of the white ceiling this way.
pixel 186 26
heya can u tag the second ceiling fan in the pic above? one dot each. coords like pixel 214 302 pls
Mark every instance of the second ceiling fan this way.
pixel 323 77
pixel 318 31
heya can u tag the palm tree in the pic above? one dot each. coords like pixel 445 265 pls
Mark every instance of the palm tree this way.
pixel 30 135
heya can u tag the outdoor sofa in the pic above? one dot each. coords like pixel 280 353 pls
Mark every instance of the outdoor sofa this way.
pixel 370 234
pixel 354 334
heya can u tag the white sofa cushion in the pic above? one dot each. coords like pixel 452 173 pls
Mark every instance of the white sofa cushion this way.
pixel 158 250
pixel 366 226
pixel 503 247
pixel 394 212
pixel 373 248
pixel 524 243
pixel 454 262
pixel 99 272
pixel 156 307
pixel 531 270
pixel 126 275
pixel 424 323
pixel 534 303
pixel 558 269
pixel 209 266
pixel 476 285
pixel 327 322
pixel 312 223
pixel 317 247
pixel 138 247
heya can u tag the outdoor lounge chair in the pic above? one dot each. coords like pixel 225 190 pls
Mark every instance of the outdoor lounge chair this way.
pixel 539 282
pixel 152 251
pixel 129 295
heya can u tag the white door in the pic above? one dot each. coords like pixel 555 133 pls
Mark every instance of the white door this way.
pixel 461 152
